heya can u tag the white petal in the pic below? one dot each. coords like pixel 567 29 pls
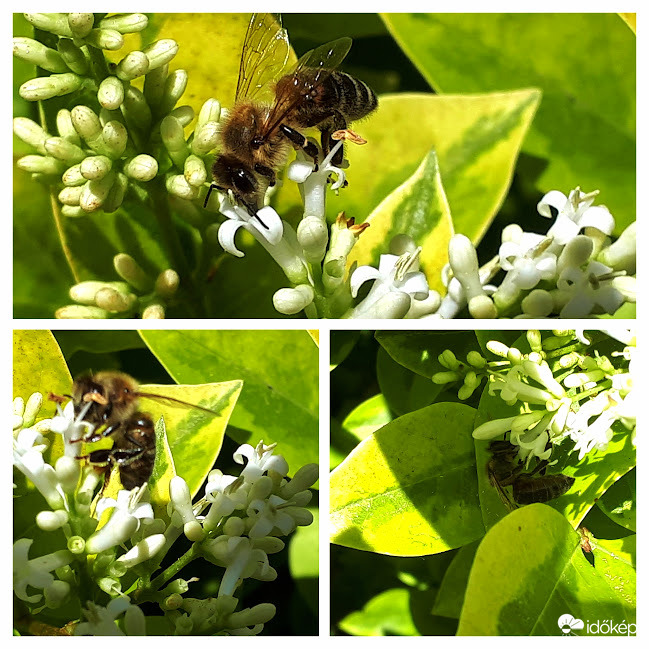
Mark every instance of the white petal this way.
pixel 269 224
pixel 299 171
pixel 509 252
pixel 415 284
pixel 598 217
pixel 361 275
pixel 387 264
pixel 245 450
pixel 554 199
pixel 226 234
pixel 231 211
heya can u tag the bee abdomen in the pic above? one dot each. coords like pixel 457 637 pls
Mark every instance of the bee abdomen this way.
pixel 541 490
pixel 355 98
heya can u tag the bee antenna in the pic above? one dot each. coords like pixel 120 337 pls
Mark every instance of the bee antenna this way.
pixel 209 191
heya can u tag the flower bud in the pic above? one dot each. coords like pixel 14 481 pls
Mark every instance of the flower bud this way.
pixel 195 172
pixel 538 304
pixel 482 306
pixel 111 93
pixel 129 270
pixel 95 167
pixel 154 84
pixel 134 64
pixel 621 254
pixel 73 56
pixel 119 528
pixel 94 192
pixel 184 114
pixel 125 23
pixel 175 86
pixel 441 378
pixel 206 138
pixel 173 137
pixel 178 186
pixel 154 311
pixel 161 52
pixel 71 195
pixel 65 127
pixel 115 137
pixel 312 235
pixel 259 614
pixel 38 54
pixel 38 164
pixel 210 112
pixel 304 478
pixel 80 24
pixel 55 85
pixel 85 292
pixel 475 359
pixel 136 110
pixel 68 471
pixel 86 123
pixel 73 211
pixel 116 193
pixel 166 283
pixel 144 550
pixel 53 23
pixel 494 428
pixel 30 133
pixel 50 521
pixel 575 253
pixel 105 39
pixel 112 300
pixel 142 167
pixel 290 301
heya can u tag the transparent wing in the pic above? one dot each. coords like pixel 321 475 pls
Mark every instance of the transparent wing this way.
pixel 172 401
pixel 309 72
pixel 263 56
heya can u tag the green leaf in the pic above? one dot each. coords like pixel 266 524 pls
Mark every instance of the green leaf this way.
pixel 403 390
pixel 419 350
pixel 619 501
pixel 528 571
pixel 451 592
pixel 410 489
pixel 386 614
pixel 163 470
pixel 367 417
pixel 194 436
pixel 585 127
pixel 615 559
pixel 476 139
pixel 417 208
pixel 279 370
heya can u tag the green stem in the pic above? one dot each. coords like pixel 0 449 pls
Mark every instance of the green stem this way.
pixel 171 571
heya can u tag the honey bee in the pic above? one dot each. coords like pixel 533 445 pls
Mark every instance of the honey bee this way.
pixel 111 403
pixel 270 109
pixel 504 470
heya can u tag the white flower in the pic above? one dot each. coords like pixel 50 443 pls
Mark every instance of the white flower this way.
pixel 578 291
pixel 226 493
pixel 35 572
pixel 575 213
pixel 128 513
pixel 73 428
pixel 266 225
pixel 260 460
pixel 268 514
pixel 101 620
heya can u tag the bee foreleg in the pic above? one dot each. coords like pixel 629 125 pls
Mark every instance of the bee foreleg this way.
pixel 300 142
pixel 267 172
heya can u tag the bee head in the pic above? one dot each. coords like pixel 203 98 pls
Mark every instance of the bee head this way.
pixel 231 173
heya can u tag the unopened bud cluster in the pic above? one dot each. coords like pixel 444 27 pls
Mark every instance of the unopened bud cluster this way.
pixel 235 526
pixel 139 294
pixel 562 388
pixel 127 137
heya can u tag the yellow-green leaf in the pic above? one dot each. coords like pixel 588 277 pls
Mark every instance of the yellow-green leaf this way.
pixel 417 208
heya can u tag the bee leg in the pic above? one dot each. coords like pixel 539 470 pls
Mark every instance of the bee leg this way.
pixel 336 123
pixel 300 142
pixel 102 456
pixel 267 172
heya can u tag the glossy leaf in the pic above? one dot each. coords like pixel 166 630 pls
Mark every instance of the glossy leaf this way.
pixel 279 370
pixel 451 592
pixel 528 571
pixel 419 350
pixel 619 501
pixel 615 559
pixel 476 138
pixel 368 417
pixel 386 614
pixel 417 208
pixel 409 488
pixel 585 127
pixel 194 436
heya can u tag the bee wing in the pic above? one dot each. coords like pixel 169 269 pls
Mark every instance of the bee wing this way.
pixel 171 401
pixel 263 56
pixel 320 61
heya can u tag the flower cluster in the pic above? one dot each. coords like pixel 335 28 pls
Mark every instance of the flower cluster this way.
pixel 139 293
pixel 562 389
pixel 110 542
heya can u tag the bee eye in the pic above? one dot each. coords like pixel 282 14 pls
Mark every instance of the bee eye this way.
pixel 243 181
